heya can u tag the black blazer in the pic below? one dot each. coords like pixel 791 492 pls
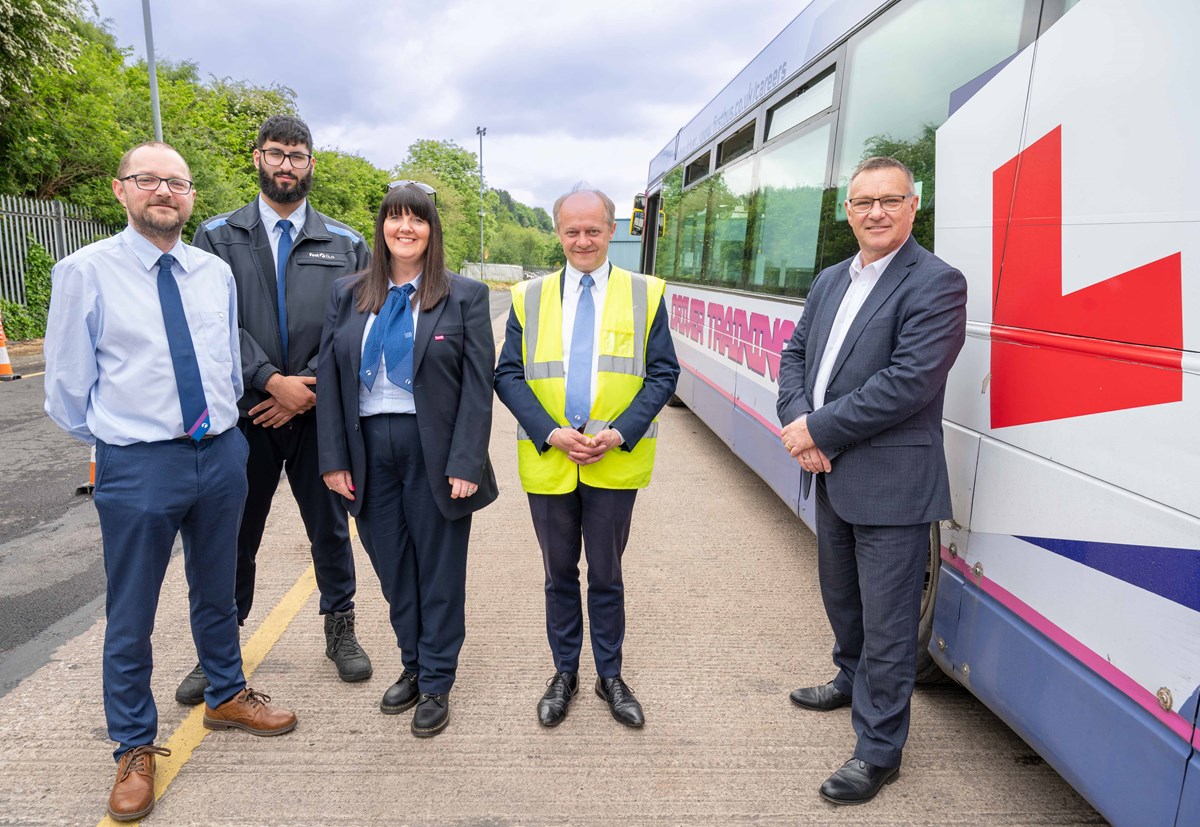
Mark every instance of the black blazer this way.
pixel 453 358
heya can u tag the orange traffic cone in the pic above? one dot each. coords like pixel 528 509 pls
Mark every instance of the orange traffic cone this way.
pixel 89 486
pixel 6 371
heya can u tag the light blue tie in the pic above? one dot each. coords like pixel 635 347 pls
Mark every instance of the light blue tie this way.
pixel 392 336
pixel 183 355
pixel 579 377
pixel 285 248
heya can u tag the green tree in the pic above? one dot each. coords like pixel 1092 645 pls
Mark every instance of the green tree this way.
pixel 28 321
pixel 349 188
pixel 33 36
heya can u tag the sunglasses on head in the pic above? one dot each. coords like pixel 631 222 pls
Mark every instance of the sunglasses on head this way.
pixel 425 188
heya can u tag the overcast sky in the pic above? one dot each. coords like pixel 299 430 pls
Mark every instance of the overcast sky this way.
pixel 567 90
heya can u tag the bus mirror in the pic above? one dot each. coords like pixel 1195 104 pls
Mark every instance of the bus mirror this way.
pixel 637 222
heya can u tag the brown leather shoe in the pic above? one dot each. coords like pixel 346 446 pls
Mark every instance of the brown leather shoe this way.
pixel 133 792
pixel 251 711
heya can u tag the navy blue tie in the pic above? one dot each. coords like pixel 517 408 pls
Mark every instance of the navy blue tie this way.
pixel 285 248
pixel 183 355
pixel 391 336
pixel 579 377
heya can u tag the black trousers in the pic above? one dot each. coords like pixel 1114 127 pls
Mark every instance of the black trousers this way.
pixel 598 520
pixel 871 578
pixel 294 448
pixel 419 555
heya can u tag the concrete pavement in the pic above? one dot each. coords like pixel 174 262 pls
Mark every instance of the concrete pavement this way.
pixel 724 619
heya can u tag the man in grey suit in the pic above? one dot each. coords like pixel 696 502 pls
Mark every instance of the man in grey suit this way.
pixel 861 387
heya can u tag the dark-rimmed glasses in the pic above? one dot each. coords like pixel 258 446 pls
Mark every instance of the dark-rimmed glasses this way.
pixel 890 203
pixel 423 187
pixel 150 183
pixel 274 157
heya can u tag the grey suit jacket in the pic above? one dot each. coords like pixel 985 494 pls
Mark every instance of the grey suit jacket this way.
pixel 881 424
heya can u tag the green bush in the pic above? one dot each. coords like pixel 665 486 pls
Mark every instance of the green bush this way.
pixel 28 321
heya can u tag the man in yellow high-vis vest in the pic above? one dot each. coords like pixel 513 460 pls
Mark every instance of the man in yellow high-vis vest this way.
pixel 587 364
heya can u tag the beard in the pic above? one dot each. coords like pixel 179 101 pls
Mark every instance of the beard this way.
pixel 284 194
pixel 158 225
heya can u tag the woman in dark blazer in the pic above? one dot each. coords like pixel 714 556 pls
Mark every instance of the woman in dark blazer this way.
pixel 404 414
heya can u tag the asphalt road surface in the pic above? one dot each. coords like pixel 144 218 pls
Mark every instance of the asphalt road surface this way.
pixel 51 570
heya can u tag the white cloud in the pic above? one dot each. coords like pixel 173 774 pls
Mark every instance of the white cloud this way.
pixel 567 91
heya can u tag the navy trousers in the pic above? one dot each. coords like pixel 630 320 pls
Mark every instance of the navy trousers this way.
pixel 598 520
pixel 418 554
pixel 871 579
pixel 294 447
pixel 146 494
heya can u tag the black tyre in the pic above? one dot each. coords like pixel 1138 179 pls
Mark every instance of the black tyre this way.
pixel 928 670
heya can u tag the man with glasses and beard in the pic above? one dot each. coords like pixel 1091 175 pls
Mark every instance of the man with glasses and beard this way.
pixel 285 257
pixel 142 361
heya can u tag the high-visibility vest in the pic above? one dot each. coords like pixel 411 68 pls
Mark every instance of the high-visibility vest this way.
pixel 631 300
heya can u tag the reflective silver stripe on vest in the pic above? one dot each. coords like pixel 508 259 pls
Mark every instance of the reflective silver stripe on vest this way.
pixel 533 313
pixel 595 426
pixel 632 365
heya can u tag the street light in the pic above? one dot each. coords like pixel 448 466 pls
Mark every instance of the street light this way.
pixel 481 131
pixel 157 119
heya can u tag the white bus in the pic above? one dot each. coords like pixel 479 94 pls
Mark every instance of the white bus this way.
pixel 1056 147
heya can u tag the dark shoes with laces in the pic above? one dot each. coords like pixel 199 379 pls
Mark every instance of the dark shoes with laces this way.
pixel 552 708
pixel 621 702
pixel 401 695
pixel 191 691
pixel 432 714
pixel 341 647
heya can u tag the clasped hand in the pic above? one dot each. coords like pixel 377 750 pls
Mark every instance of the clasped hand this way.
pixel 799 443
pixel 290 397
pixel 582 449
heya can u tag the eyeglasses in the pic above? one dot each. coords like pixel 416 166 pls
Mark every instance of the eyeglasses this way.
pixel 890 203
pixel 274 157
pixel 145 181
pixel 423 187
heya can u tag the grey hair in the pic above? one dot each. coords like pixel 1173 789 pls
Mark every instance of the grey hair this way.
pixel 610 209
pixel 883 162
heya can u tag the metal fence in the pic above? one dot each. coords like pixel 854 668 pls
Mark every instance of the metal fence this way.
pixel 60 227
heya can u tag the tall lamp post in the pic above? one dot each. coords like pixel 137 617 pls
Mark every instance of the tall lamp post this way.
pixel 153 73
pixel 481 131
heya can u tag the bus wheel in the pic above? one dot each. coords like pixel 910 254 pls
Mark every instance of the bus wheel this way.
pixel 927 669
pixel 676 402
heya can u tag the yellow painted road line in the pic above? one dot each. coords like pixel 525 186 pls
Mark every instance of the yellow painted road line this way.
pixel 31 375
pixel 191 730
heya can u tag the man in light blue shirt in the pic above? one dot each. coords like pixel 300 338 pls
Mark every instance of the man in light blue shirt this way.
pixel 142 360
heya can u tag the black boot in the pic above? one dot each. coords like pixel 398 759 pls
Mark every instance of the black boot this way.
pixel 191 690
pixel 341 647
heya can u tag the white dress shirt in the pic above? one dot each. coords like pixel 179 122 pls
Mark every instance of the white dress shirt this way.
pixel 386 397
pixel 572 289
pixel 862 282
pixel 271 219
pixel 109 374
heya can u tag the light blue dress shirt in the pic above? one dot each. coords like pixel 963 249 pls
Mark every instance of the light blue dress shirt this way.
pixel 108 365
pixel 387 397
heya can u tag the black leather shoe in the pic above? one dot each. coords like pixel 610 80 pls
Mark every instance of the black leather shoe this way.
pixel 341 647
pixel 857 782
pixel 552 708
pixel 401 695
pixel 191 690
pixel 619 697
pixel 432 715
pixel 823 698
